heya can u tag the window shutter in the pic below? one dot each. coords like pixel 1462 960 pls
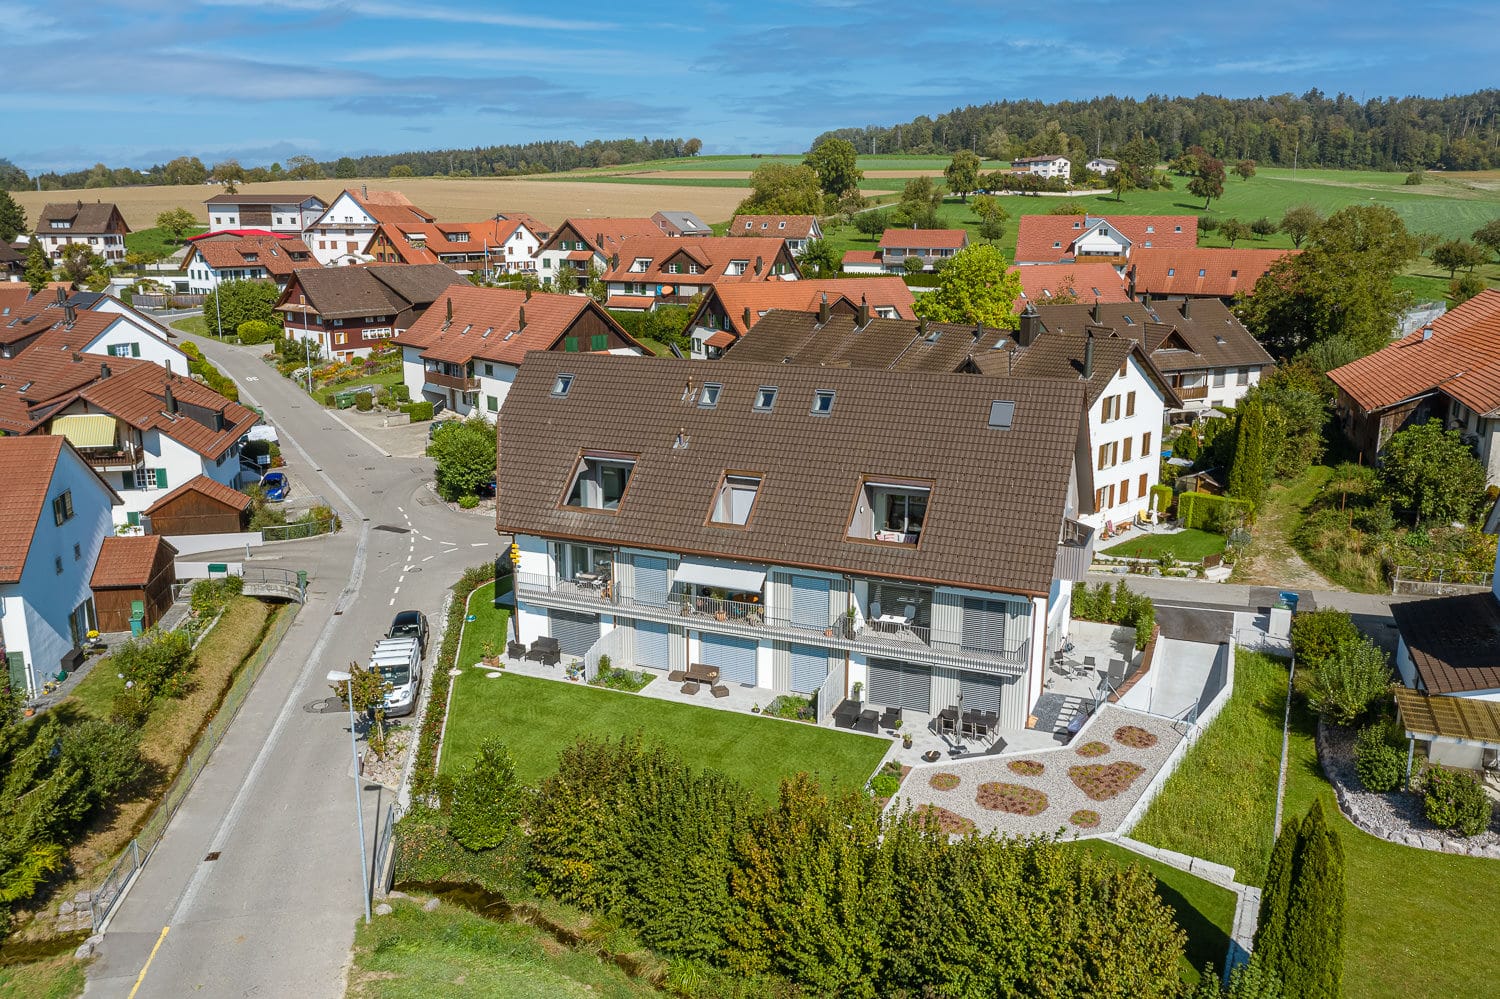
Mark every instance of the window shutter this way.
pixel 570 344
pixel 161 478
pixel 127 479
pixel 133 518
pixel 135 350
pixel 599 341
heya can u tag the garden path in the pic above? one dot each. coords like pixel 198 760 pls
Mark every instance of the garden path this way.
pixel 1271 559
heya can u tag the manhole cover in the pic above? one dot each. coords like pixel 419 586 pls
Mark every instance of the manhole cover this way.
pixel 393 528
pixel 327 705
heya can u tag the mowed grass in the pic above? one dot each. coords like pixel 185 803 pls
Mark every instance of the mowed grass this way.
pixel 412 954
pixel 55 978
pixel 157 241
pixel 488 627
pixel 537 718
pixel 1204 910
pixel 1186 546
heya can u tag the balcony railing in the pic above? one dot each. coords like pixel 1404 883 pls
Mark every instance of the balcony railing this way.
pixel 116 460
pixel 1192 391
pixel 462 383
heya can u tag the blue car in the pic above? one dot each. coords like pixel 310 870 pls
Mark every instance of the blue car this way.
pixel 276 485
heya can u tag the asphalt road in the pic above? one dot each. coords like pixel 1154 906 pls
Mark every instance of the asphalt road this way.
pixel 274 913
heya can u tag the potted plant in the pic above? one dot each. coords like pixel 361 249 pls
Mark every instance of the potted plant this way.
pixel 755 709
pixel 490 656
pixel 857 693
pixel 905 740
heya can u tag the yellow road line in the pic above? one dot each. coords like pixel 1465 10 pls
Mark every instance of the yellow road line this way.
pixel 142 977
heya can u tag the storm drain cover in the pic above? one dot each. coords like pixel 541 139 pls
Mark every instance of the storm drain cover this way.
pixel 393 528
pixel 327 705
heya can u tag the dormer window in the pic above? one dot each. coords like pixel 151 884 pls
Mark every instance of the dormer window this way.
pixel 674 268
pixel 561 385
pixel 1150 228
pixel 735 500
pixel 708 397
pixel 890 511
pixel 765 398
pixel 639 265
pixel 600 481
pixel 822 402
pixel 737 267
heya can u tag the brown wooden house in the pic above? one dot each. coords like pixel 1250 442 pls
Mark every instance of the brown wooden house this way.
pixel 200 506
pixel 132 573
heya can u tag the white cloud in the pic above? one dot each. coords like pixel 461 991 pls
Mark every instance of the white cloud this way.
pixel 415 12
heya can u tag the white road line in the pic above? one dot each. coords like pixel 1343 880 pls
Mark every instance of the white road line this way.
pixel 429 558
pixel 402 579
pixel 396 590
pixel 392 603
pixel 426 538
pixel 401 511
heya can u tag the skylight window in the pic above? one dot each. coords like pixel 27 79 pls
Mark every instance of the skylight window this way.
pixel 765 398
pixel 822 402
pixel 1150 228
pixel 1201 271
pixel 1171 271
pixel 561 385
pixel 1177 228
pixel 600 481
pixel 736 500
pixel 1002 412
pixel 1129 321
pixel 708 398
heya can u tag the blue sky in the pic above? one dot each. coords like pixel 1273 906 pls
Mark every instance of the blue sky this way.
pixel 140 81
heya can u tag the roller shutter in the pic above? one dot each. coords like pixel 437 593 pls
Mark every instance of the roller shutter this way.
pixel 900 685
pixel 651 580
pixel 981 692
pixel 809 602
pixel 735 658
pixel 652 646
pixel 809 668
pixel 984 624
pixel 575 633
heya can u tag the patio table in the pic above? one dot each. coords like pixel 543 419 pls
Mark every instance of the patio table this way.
pixel 947 721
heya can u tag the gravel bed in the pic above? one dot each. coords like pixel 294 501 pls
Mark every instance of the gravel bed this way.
pixel 1063 796
pixel 388 770
pixel 1397 816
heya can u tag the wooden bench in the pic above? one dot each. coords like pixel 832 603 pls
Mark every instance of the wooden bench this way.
pixel 703 674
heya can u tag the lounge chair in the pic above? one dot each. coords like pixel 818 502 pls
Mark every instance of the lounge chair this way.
pixel 891 718
pixel 545 651
pixel 515 650
pixel 719 690
pixel 1116 675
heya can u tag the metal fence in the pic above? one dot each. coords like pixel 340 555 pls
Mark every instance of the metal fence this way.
pixel 382 871
pixel 298 530
pixel 134 857
pixel 176 300
pixel 1422 581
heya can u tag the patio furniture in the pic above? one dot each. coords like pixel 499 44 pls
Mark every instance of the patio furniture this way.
pixel 931 756
pixel 545 651
pixel 1088 661
pixel 846 715
pixel 869 721
pixel 676 676
pixel 1116 674
pixel 947 721
pixel 691 687
pixel 515 650
pixel 891 718
pixel 702 673
pixel 908 615
pixel 719 690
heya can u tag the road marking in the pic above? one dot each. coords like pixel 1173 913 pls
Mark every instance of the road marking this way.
pixel 402 579
pixel 426 538
pixel 400 511
pixel 252 378
pixel 429 558
pixel 392 603
pixel 479 544
pixel 397 590
pixel 147 967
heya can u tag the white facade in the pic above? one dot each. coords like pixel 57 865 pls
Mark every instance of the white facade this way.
pixel 1217 388
pixel 132 336
pixel 519 251
pixel 288 216
pixel 1101 166
pixel 1054 166
pixel 1101 240
pixel 339 236
pixel 1125 426
pixel 1483 433
pixel 41 613
pixel 110 246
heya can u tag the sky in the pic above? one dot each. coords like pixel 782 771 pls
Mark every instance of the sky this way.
pixel 137 82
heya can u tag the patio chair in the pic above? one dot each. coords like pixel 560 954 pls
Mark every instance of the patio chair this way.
pixel 891 718
pixel 1116 674
pixel 691 687
pixel 545 651
pixel 909 612
pixel 719 690
pixel 515 650
pixel 846 714
pixel 677 676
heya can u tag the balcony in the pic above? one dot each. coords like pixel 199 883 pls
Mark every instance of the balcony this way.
pixel 462 383
pixel 117 460
pixel 1192 391
pixel 1075 552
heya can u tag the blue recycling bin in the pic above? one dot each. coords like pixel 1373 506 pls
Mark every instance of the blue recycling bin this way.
pixel 1287 599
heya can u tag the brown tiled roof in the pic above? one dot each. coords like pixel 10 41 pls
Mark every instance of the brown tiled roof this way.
pixel 86 217
pixel 1208 336
pixel 262 198
pixel 1454 641
pixel 1201 271
pixel 1036 234
pixel 998 496
pixel 347 292
pixel 938 239
pixel 127 561
pixel 279 257
pixel 782 226
pixel 1461 356
pixel 216 491
pixel 26 465
pixel 712 255
pixel 603 234
pixel 1087 282
pixel 861 257
pixel 486 324
pixel 762 296
pixel 13 297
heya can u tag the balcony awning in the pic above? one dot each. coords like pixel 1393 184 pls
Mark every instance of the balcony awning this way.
pixel 729 577
pixel 86 429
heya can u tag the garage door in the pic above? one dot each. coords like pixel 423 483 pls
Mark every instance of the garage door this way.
pixel 651 580
pixel 651 645
pixel 575 633
pixel 809 602
pixel 809 668
pixel 900 685
pixel 981 692
pixel 735 658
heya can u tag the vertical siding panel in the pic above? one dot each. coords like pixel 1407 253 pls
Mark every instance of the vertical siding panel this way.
pixel 781 667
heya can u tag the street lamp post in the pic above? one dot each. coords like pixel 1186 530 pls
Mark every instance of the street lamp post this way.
pixel 339 676
pixel 307 357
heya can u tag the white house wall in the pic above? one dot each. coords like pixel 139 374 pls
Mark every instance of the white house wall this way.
pixel 341 232
pixel 1150 407
pixel 151 346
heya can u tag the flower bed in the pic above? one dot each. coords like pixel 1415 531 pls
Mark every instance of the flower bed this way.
pixel 944 781
pixel 949 822
pixel 1016 799
pixel 1084 818
pixel 1027 768
pixel 1135 737
pixel 1089 750
pixel 1102 781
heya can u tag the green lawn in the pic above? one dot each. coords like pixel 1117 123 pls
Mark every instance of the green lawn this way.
pixel 1203 909
pixel 157 241
pixel 1186 546
pixel 655 346
pixel 55 978
pixel 412 954
pixel 325 393
pixel 195 325
pixel 536 718
pixel 489 626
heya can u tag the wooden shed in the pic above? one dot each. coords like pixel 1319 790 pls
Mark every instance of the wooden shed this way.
pixel 200 506
pixel 130 571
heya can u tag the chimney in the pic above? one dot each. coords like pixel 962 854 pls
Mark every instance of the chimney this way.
pixel 823 309
pixel 528 294
pixel 62 296
pixel 1131 275
pixel 103 371
pixel 364 191
pixel 522 320
pixel 759 263
pixel 1031 322
pixel 1187 308
pixel 922 328
pixel 1095 313
pixel 70 315
pixel 599 241
pixel 169 402
pixel 864 313
pixel 449 321
pixel 614 261
pixel 745 318
pixel 1088 356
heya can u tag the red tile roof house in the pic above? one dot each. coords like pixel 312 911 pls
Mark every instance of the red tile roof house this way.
pixel 580 242
pixel 57 515
pixel 799 529
pixel 730 309
pixel 246 258
pixel 931 245
pixel 339 236
pixel 1041 284
pixel 1052 239
pixel 108 329
pixel 646 271
pixel 279 212
pixel 1173 274
pixel 797 230
pixel 346 311
pixel 464 351
pixel 100 225
pixel 1449 369
pixel 495 245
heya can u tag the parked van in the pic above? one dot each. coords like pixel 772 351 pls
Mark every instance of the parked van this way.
pixel 400 663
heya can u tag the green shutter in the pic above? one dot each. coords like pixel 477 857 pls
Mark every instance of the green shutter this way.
pixel 133 518
pixel 135 350
pixel 570 344
pixel 492 404
pixel 127 479
pixel 161 478
pixel 15 663
pixel 599 341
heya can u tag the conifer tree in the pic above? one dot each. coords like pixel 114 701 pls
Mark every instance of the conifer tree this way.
pixel 1300 938
pixel 1247 476
pixel 38 267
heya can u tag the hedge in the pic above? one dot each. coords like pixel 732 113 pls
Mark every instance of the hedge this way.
pixel 1164 496
pixel 1117 605
pixel 1201 510
pixel 418 411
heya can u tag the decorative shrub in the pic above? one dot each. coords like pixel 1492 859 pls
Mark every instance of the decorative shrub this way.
pixel 400 392
pixel 1453 799
pixel 1164 497
pixel 1201 510
pixel 885 785
pixel 487 799
pixel 1084 818
pixel 1102 781
pixel 468 502
pixel 1089 750
pixel 1378 763
pixel 155 664
pixel 949 822
pixel 1345 684
pixel 1135 737
pixel 1116 605
pixel 255 331
pixel 418 411
pixel 1013 798
pixel 1317 634
pixel 944 781
pixel 364 401
pixel 790 706
pixel 1026 768
pixel 616 678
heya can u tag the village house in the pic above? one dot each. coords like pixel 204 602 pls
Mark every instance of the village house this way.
pixel 1102 166
pixel 1044 166
pixel 86 323
pixel 463 353
pixel 286 212
pixel 494 246
pixel 1053 239
pixel 581 243
pixel 797 230
pixel 345 311
pixel 100 225
pixel 676 223
pixel 646 271
pixel 339 235
pixel 1175 273
pixel 1047 284
pixel 212 261
pixel 729 310
pixel 896 245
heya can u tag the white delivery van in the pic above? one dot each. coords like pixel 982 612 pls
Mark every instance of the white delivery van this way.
pixel 399 661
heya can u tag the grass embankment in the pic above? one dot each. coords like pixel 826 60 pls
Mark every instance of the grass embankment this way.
pixel 1417 923
pixel 488 627
pixel 55 978
pixel 1189 545
pixel 195 325
pixel 412 954
pixel 1273 558
pixel 157 241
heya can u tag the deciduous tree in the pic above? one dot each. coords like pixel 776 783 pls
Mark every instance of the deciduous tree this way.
pixel 962 174
pixel 79 263
pixel 185 170
pixel 1430 475
pixel 465 457
pixel 487 799
pixel 782 189
pixel 1234 230
pixel 976 287
pixel 1456 253
pixel 1299 221
pixel 237 302
pixel 834 162
pixel 692 147
pixel 819 259
pixel 1461 289
pixel 344 168
pixel 1488 236
pixel 919 203
pixel 177 222
pixel 1244 169
pixel 38 267
pixel 1208 181
pixel 1247 475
